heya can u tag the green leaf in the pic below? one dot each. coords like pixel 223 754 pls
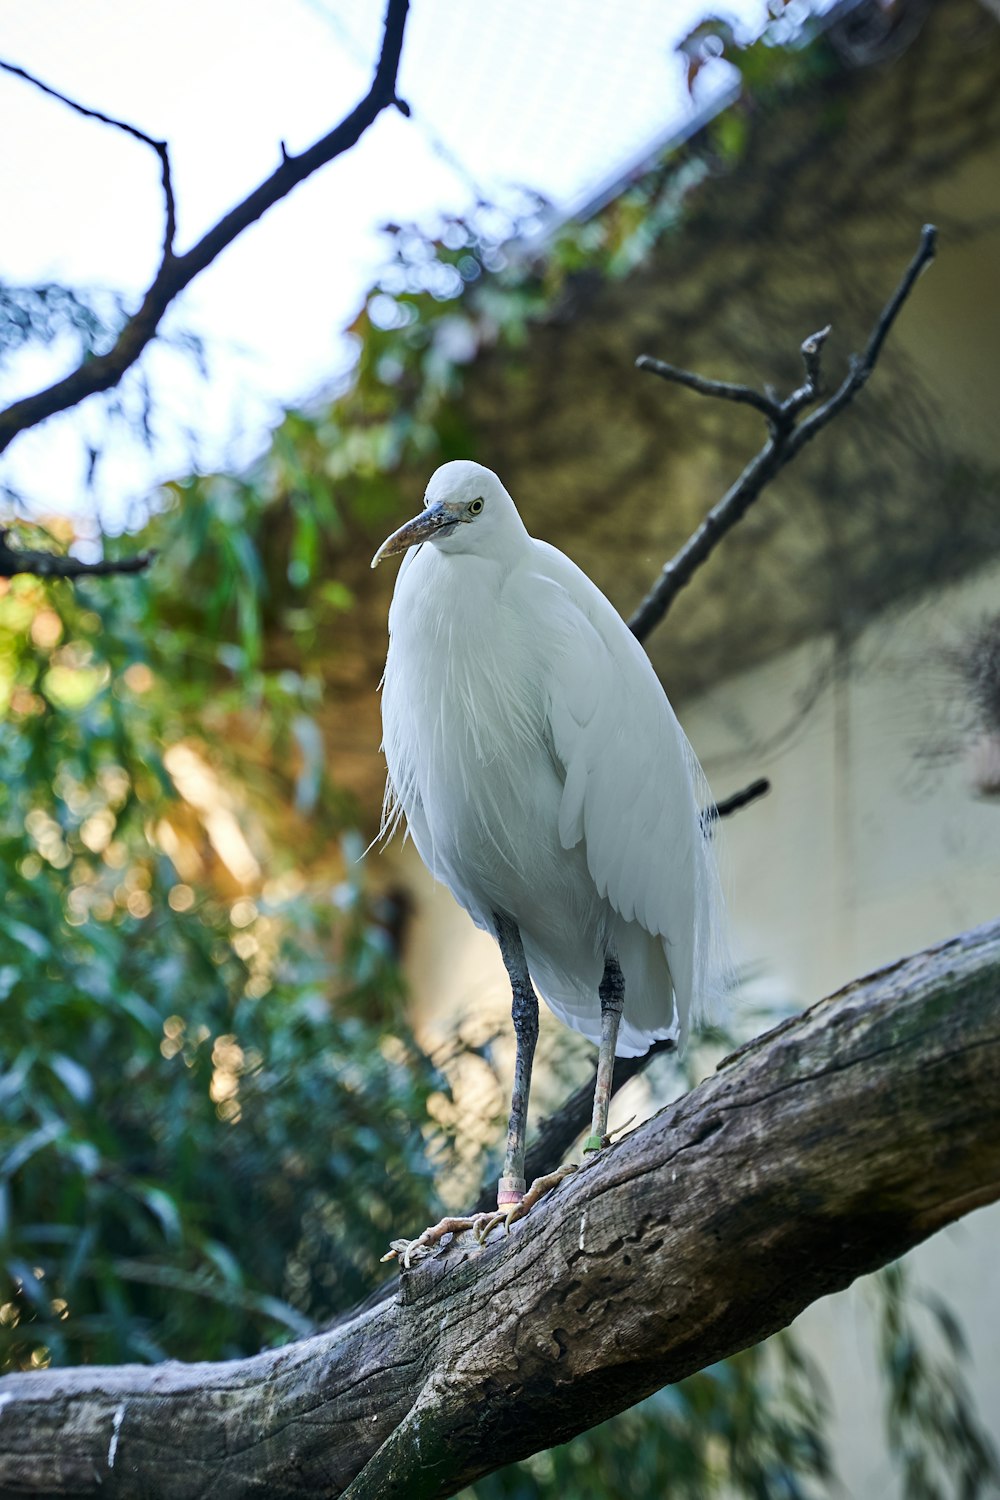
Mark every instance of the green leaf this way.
pixel 36 1140
pixel 35 942
pixel 164 1210
pixel 75 1079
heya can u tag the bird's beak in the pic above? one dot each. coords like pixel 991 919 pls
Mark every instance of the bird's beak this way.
pixel 429 521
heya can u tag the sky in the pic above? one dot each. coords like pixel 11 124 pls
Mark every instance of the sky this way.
pixel 557 97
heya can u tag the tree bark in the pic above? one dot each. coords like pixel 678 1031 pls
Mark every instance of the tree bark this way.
pixel 815 1154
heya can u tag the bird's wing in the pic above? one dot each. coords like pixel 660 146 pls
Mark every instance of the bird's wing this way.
pixel 630 776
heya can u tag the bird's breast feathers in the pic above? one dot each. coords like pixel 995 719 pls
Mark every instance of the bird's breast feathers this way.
pixel 462 686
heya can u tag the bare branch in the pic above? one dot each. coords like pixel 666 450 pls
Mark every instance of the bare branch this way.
pixel 699 547
pixel 160 147
pixel 861 368
pixel 787 438
pixel 818 1153
pixel 15 560
pixel 80 109
pixel 175 272
pixel 738 800
pixel 812 356
pixel 723 390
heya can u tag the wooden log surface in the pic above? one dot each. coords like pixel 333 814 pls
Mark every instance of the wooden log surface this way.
pixel 814 1155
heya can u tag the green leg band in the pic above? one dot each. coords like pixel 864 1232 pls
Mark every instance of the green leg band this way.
pixel 593 1143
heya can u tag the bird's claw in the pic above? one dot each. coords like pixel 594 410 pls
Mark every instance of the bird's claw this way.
pixel 505 1216
pixel 408 1250
pixel 482 1224
pixel 543 1185
pixel 538 1189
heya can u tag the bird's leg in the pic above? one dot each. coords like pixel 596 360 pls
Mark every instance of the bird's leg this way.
pixel 513 1201
pixel 524 1011
pixel 612 994
pixel 514 1198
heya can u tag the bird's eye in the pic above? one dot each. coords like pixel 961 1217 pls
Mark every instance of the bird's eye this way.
pixel 474 507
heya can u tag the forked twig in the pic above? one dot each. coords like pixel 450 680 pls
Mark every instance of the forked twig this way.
pixel 787 436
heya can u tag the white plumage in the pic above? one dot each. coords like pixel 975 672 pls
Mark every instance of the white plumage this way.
pixel 541 769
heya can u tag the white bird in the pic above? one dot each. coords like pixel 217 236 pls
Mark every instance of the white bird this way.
pixel 546 782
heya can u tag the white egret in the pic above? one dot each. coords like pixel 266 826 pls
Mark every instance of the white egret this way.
pixel 546 782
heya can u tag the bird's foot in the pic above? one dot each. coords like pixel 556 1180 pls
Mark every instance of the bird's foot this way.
pixel 407 1251
pixel 481 1224
pixel 508 1213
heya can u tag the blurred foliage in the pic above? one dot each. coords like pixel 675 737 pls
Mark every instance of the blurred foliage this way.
pixel 58 327
pixel 977 662
pixel 474 282
pixel 939 1446
pixel 42 315
pixel 785 53
pixel 212 1113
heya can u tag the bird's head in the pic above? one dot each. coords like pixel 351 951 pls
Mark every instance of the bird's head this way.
pixel 466 509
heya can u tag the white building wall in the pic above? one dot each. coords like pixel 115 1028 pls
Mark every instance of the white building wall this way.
pixel 871 845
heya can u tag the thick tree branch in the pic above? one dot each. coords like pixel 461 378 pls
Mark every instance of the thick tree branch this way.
pixel 175 272
pixel 14 560
pixel 818 1153
pixel 787 437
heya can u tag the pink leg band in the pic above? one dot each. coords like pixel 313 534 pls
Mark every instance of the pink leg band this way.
pixel 510 1190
